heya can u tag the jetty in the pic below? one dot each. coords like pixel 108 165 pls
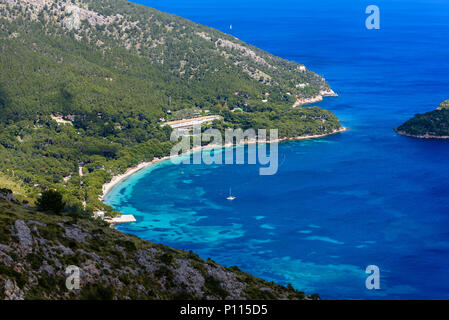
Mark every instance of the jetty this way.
pixel 124 218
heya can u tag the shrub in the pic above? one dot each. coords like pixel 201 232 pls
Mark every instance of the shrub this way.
pixel 167 259
pixel 213 285
pixel 97 292
pixel 51 200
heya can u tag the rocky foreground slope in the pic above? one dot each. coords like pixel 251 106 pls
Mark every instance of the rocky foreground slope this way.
pixel 36 248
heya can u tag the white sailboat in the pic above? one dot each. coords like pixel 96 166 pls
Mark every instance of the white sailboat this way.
pixel 230 198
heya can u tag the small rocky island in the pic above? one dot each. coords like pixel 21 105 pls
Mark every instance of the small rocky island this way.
pixel 434 124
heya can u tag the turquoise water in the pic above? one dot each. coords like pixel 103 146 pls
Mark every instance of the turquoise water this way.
pixel 337 204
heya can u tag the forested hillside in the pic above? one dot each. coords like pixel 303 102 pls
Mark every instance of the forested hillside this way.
pixel 110 71
pixel 434 124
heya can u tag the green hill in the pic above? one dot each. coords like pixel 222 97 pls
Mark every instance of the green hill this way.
pixel 122 59
pixel 434 124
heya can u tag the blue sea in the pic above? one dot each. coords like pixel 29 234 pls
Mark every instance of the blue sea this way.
pixel 338 204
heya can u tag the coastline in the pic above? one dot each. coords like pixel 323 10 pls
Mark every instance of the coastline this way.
pixel 426 136
pixel 305 101
pixel 107 187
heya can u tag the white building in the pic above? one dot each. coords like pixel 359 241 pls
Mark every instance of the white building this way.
pixel 190 123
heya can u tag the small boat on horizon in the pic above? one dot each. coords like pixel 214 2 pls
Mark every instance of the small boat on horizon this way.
pixel 230 198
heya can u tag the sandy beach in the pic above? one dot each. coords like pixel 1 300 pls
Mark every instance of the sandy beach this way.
pixel 117 179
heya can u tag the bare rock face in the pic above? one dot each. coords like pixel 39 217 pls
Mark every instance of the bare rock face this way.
pixel 76 234
pixel 12 291
pixel 78 14
pixel 188 275
pixel 229 281
pixel 74 20
pixel 24 235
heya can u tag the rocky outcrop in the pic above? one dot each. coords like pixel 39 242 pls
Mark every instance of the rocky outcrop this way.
pixel 444 105
pixel 300 101
pixel 12 291
pixel 24 235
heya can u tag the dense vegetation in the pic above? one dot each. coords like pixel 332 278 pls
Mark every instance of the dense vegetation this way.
pixel 36 248
pixel 290 122
pixel 434 124
pixel 50 201
pixel 112 69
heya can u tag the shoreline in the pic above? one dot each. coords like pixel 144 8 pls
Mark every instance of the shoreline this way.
pixel 405 134
pixel 107 187
pixel 320 97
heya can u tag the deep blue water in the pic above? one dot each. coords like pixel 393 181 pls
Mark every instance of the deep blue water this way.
pixel 337 204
